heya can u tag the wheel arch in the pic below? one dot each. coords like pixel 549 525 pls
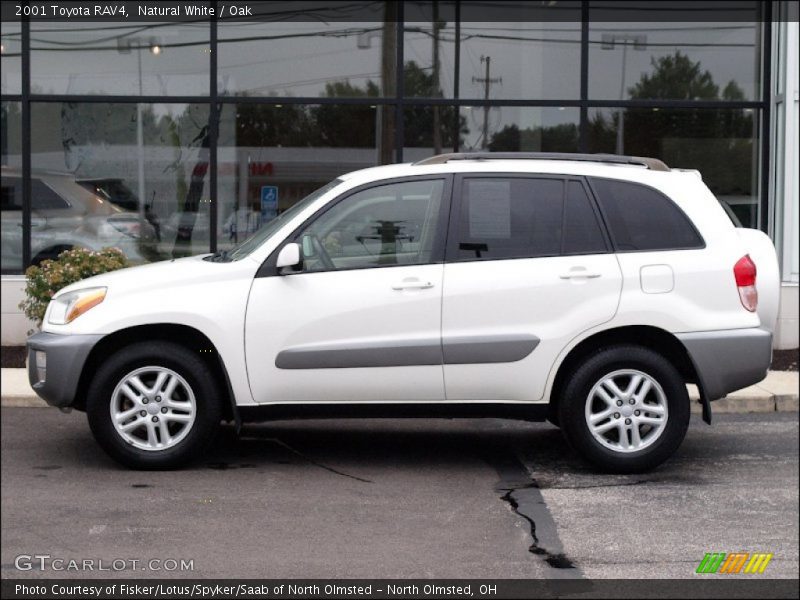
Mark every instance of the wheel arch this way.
pixel 654 338
pixel 187 336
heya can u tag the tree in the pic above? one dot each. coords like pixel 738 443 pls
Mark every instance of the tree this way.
pixel 675 77
pixel 419 120
pixel 558 138
pixel 718 142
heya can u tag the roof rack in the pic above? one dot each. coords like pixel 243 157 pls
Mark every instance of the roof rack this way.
pixel 651 163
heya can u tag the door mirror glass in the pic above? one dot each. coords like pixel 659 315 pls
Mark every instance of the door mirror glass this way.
pixel 289 256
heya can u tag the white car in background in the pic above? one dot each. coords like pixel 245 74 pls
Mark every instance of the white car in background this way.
pixel 583 289
pixel 64 215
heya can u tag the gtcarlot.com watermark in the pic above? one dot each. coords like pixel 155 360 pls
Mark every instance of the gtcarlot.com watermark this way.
pixel 46 562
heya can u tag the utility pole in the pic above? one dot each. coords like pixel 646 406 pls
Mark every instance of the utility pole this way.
pixel 487 82
pixel 386 114
pixel 437 127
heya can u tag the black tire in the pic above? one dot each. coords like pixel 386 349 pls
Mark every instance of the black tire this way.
pixel 573 400
pixel 187 364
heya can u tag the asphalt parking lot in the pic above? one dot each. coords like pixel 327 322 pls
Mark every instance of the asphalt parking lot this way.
pixel 400 498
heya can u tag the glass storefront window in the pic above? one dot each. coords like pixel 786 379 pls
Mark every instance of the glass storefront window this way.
pixel 673 60
pixel 10 58
pixel 520 129
pixel 10 187
pixel 720 143
pixel 310 52
pixel 133 176
pixel 429 130
pixel 520 58
pixel 271 156
pixel 429 36
pixel 157 59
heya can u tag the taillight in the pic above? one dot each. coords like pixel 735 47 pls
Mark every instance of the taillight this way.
pixel 744 271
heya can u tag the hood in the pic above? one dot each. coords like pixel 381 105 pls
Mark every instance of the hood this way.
pixel 164 275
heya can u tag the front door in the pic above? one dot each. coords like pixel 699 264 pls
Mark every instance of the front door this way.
pixel 361 320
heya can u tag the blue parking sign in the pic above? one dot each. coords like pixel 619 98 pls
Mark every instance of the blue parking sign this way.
pixel 269 202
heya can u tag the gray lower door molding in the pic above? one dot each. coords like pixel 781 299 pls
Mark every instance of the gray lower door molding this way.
pixel 450 351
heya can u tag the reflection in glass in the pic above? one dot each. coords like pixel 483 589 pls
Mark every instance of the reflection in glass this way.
pixel 10 187
pixel 720 143
pixel 10 58
pixel 309 52
pixel 520 129
pixel 120 175
pixel 429 36
pixel 271 156
pixel 521 59
pixel 160 59
pixel 674 60
pixel 430 130
pixel 385 225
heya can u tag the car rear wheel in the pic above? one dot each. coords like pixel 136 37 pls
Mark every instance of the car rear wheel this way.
pixel 625 409
pixel 154 406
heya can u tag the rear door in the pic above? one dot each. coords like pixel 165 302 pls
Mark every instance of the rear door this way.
pixel 528 268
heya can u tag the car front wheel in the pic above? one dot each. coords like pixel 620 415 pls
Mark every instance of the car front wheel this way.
pixel 154 406
pixel 625 409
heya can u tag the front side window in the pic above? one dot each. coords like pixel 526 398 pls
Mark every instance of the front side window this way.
pixel 386 225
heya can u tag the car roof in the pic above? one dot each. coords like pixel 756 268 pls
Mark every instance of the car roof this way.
pixel 631 168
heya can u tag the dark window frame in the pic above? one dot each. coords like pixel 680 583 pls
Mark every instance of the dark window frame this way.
pixel 601 225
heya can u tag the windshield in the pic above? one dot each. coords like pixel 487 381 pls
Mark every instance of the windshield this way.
pixel 266 232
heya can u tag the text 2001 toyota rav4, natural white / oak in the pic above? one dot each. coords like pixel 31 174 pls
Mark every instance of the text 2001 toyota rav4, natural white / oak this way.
pixel 586 289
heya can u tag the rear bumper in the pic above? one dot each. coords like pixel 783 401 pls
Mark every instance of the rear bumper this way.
pixel 57 382
pixel 728 360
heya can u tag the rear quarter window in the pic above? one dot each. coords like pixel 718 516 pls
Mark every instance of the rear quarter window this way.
pixel 640 218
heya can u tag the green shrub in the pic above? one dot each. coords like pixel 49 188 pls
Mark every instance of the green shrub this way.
pixel 71 266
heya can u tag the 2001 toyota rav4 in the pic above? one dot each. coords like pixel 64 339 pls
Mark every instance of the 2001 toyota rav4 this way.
pixel 585 289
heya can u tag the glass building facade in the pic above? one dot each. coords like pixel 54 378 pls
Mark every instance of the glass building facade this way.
pixel 175 138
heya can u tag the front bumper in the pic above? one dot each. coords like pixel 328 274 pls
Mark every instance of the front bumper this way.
pixel 57 382
pixel 728 360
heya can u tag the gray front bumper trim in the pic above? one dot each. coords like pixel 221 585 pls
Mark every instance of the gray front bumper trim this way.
pixel 66 356
pixel 728 360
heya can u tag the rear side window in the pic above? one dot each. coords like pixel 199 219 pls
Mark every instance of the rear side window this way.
pixel 43 198
pixel 510 218
pixel 641 218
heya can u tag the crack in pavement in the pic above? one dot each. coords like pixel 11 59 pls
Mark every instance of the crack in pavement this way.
pixel 309 460
pixel 521 492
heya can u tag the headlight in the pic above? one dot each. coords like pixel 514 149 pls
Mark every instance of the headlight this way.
pixel 68 307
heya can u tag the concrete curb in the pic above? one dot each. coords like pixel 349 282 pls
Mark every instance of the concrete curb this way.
pixel 750 405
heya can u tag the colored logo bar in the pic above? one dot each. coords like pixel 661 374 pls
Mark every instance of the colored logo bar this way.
pixel 734 563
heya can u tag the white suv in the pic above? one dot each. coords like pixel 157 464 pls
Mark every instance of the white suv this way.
pixel 582 289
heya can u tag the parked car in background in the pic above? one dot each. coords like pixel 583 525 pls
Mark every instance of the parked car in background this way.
pixel 64 214
pixel 584 289
pixel 114 190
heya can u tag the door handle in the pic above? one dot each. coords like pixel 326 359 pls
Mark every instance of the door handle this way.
pixel 412 284
pixel 579 273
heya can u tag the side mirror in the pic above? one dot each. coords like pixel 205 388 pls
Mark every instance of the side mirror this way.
pixel 289 256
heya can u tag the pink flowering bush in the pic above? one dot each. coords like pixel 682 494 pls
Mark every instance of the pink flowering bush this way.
pixel 70 266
